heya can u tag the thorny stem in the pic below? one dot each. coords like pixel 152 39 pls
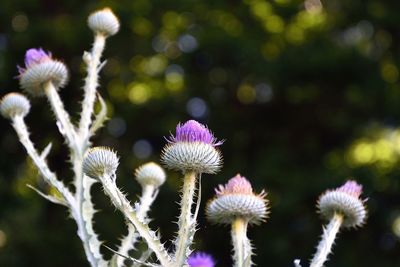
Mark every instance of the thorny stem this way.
pixel 77 151
pixel 186 219
pixel 240 242
pixel 122 204
pixel 91 83
pixel 328 237
pixel 23 134
pixel 148 196
pixel 66 127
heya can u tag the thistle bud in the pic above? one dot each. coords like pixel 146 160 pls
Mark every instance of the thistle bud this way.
pixel 200 259
pixel 150 174
pixel 100 161
pixel 14 104
pixel 104 22
pixel 344 200
pixel 193 148
pixel 236 199
pixel 40 68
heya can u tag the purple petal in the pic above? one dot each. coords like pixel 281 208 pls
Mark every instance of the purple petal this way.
pixel 352 188
pixel 201 259
pixel 34 56
pixel 192 131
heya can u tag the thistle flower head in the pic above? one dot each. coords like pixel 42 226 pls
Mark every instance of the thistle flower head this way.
pixel 236 199
pixel 100 161
pixel 193 148
pixel 40 68
pixel 104 22
pixel 201 259
pixel 344 200
pixel 150 174
pixel 14 104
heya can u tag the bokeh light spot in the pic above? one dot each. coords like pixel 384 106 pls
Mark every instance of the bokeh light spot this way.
pixel 389 73
pixel 246 94
pixel 196 107
pixel 142 149
pixel 20 22
pixel 396 226
pixel 139 93
pixel 116 127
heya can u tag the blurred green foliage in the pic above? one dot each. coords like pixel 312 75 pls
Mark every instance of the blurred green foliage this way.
pixel 306 94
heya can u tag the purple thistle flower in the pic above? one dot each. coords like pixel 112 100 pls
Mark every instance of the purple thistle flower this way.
pixel 192 131
pixel 34 56
pixel 236 185
pixel 201 259
pixel 352 188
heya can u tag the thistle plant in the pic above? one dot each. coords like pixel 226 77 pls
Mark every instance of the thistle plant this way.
pixel 235 204
pixel 343 208
pixel 193 150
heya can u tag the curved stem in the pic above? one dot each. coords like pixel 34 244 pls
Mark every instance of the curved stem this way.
pixel 64 124
pixel 120 202
pixel 328 237
pixel 186 222
pixel 91 83
pixel 127 243
pixel 23 135
pixel 241 244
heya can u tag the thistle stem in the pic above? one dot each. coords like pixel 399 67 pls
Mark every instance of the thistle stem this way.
pixel 82 183
pixel 148 195
pixel 328 237
pixel 64 124
pixel 240 242
pixel 127 243
pixel 91 84
pixel 122 204
pixel 186 221
pixel 23 135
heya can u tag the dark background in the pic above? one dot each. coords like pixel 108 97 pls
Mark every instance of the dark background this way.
pixel 306 94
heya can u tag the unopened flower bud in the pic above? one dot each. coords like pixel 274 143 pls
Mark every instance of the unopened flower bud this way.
pixel 236 199
pixel 104 22
pixel 193 148
pixel 344 200
pixel 100 161
pixel 14 104
pixel 150 174
pixel 40 68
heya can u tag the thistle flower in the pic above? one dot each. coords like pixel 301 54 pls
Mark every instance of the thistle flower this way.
pixel 344 200
pixel 201 259
pixel 100 161
pixel 40 68
pixel 104 22
pixel 193 148
pixel 14 104
pixel 235 200
pixel 150 174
